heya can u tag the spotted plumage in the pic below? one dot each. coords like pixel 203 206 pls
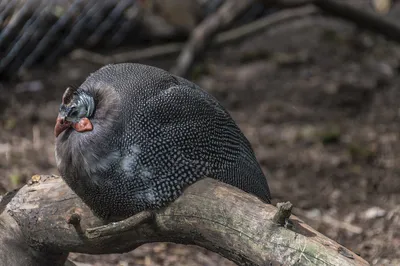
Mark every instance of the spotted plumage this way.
pixel 152 135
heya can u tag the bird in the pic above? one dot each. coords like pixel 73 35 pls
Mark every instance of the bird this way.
pixel 132 137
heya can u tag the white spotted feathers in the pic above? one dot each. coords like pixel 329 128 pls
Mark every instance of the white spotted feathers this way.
pixel 153 135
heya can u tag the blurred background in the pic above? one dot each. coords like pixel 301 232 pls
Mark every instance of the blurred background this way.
pixel 318 98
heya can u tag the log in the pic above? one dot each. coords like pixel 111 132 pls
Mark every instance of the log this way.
pixel 44 221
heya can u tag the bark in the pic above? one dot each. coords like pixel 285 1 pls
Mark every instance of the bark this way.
pixel 44 221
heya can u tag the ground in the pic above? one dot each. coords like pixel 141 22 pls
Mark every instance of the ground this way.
pixel 318 100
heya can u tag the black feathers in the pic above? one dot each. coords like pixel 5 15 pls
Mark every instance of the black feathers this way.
pixel 68 95
pixel 154 134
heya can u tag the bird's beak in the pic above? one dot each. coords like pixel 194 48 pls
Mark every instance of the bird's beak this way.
pixel 61 125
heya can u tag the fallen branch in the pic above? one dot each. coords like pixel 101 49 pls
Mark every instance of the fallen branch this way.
pixel 38 227
pixel 204 33
pixel 222 38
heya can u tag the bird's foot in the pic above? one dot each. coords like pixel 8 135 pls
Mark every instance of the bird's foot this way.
pixel 122 226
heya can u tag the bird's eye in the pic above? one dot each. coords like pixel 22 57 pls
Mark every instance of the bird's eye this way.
pixel 74 113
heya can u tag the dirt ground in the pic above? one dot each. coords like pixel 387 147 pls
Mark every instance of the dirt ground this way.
pixel 320 103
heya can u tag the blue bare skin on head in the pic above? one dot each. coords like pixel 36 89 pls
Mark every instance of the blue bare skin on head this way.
pixel 75 110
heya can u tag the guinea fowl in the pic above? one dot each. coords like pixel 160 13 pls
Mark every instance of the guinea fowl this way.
pixel 132 137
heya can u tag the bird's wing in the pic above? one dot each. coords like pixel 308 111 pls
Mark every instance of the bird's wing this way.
pixel 190 135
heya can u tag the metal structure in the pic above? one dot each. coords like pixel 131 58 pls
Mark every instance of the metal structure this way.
pixel 41 31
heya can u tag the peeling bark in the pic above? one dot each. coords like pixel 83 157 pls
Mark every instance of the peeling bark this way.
pixel 45 220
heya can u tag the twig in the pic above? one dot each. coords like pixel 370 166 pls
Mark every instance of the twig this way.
pixel 75 220
pixel 283 213
pixel 221 39
pixel 120 226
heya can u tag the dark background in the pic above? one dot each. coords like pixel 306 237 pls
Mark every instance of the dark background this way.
pixel 319 101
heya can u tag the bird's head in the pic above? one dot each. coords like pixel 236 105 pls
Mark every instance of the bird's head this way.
pixel 75 111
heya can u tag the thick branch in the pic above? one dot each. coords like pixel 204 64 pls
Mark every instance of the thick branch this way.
pixel 210 214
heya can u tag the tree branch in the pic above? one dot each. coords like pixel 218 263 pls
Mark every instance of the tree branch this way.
pixel 40 221
pixel 207 32
pixel 220 39
pixel 204 33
